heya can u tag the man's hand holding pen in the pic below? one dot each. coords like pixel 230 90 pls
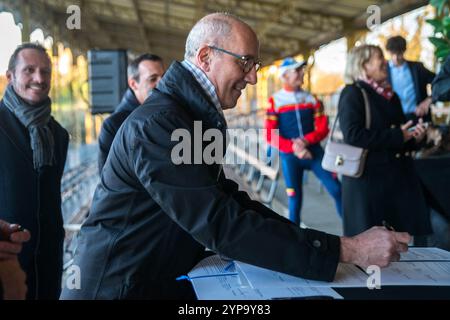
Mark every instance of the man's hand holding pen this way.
pixel 376 246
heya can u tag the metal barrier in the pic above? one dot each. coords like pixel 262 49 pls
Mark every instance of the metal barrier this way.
pixel 77 187
pixel 255 120
pixel 76 190
pixel 259 172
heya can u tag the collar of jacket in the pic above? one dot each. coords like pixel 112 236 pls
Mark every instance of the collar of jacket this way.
pixel 182 86
pixel 129 102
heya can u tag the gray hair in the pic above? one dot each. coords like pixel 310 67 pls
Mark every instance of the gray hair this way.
pixel 356 59
pixel 212 29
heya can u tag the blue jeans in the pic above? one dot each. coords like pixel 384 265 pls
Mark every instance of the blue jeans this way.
pixel 293 168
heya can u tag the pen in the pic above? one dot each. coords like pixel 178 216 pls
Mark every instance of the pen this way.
pixel 388 226
pixel 185 277
pixel 229 266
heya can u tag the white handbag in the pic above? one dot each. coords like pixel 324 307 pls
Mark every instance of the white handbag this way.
pixel 343 158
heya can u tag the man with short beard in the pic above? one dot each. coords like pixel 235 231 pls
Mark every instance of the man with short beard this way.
pixel 33 152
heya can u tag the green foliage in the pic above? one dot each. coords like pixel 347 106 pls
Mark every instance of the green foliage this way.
pixel 439 5
pixel 441 25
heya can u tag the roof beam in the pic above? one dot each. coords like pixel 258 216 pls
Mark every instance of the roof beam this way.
pixel 25 13
pixel 314 21
pixel 391 9
pixel 284 27
pixel 141 26
pixel 112 9
pixel 288 10
pixel 90 25
pixel 199 9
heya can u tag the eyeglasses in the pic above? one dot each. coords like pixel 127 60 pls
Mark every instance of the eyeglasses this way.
pixel 248 62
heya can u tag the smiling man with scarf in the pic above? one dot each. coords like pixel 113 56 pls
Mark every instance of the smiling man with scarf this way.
pixel 33 152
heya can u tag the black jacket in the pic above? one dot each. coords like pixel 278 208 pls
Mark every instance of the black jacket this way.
pixel 441 84
pixel 113 123
pixel 33 200
pixel 389 188
pixel 421 77
pixel 151 219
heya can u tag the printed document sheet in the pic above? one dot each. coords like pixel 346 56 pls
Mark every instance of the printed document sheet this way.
pixel 215 278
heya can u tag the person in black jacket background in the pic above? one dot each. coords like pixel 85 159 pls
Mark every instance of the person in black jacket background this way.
pixel 409 79
pixel 144 73
pixel 441 84
pixel 152 216
pixel 33 153
pixel 389 188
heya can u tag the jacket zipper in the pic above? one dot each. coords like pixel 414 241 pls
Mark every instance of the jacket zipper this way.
pixel 298 116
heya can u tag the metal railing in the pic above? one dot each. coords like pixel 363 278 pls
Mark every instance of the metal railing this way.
pixel 77 187
pixel 259 171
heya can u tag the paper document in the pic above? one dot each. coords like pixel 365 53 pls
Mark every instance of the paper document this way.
pixel 347 275
pixel 212 265
pixel 228 288
pixel 416 274
pixel 215 279
pixel 425 254
pixel 418 266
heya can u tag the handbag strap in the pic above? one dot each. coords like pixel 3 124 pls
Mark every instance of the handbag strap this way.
pixel 366 109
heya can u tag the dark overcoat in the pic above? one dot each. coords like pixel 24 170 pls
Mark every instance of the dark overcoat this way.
pixel 389 188
pixel 33 200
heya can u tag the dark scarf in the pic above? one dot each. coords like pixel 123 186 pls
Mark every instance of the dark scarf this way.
pixel 35 118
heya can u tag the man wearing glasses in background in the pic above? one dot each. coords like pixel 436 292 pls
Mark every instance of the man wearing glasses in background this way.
pixel 151 218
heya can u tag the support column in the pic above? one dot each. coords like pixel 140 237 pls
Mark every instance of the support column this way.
pixel 306 54
pixel 25 13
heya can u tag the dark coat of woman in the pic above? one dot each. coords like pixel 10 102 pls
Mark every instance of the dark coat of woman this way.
pixel 389 188
pixel 33 200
